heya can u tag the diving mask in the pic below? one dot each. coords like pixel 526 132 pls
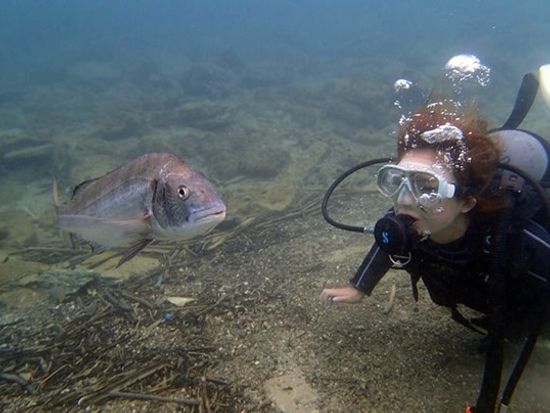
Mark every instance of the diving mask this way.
pixel 427 187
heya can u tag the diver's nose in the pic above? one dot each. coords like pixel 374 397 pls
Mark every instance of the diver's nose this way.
pixel 405 197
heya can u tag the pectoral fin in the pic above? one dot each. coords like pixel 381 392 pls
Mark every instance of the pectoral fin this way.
pixel 133 251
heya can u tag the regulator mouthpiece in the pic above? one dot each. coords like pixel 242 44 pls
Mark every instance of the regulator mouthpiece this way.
pixel 395 235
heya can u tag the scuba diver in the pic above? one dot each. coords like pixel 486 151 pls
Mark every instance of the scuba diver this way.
pixel 470 218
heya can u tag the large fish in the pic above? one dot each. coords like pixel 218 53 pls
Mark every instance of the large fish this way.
pixel 157 196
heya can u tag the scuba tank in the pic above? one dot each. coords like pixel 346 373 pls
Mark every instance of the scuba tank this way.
pixel 525 156
pixel 529 154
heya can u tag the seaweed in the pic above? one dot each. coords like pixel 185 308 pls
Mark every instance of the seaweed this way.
pixel 84 361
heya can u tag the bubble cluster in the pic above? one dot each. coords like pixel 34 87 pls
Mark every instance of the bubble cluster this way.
pixel 464 67
pixel 399 87
pixel 402 84
pixel 457 161
pixel 443 133
pixel 457 158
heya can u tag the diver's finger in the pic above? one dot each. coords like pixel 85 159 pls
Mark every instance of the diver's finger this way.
pixel 326 298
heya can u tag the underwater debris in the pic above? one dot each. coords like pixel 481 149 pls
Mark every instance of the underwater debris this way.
pixel 179 301
pixel 80 358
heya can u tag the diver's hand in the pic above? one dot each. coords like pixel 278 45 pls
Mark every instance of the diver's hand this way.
pixel 347 295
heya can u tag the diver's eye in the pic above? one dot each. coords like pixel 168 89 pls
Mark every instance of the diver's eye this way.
pixel 183 193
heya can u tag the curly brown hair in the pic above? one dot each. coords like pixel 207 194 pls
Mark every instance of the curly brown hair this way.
pixel 473 158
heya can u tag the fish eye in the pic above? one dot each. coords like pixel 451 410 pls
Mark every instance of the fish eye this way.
pixel 183 192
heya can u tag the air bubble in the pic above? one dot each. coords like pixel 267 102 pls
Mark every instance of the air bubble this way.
pixel 465 67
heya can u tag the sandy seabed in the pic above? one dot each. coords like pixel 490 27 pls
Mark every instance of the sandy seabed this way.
pixel 79 335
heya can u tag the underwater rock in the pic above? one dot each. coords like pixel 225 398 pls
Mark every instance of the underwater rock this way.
pixel 15 295
pixel 71 280
pixel 137 265
pixel 25 283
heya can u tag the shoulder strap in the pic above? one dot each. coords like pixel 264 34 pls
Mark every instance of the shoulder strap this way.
pixel 498 282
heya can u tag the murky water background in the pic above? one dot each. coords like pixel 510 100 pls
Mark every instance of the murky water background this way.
pixel 271 100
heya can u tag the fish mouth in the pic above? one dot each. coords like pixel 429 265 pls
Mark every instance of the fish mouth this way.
pixel 207 214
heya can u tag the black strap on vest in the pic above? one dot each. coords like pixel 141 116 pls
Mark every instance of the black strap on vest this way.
pixel 503 244
pixel 498 281
pixel 524 100
pixel 536 322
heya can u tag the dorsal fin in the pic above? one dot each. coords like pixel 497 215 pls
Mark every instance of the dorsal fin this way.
pixel 82 185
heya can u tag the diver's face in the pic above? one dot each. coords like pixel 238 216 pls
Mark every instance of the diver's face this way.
pixel 448 221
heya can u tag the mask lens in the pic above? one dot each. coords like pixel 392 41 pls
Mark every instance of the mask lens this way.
pixel 426 191
pixel 425 184
pixel 390 180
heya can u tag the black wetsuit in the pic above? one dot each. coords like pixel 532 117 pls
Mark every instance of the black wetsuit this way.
pixel 458 272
